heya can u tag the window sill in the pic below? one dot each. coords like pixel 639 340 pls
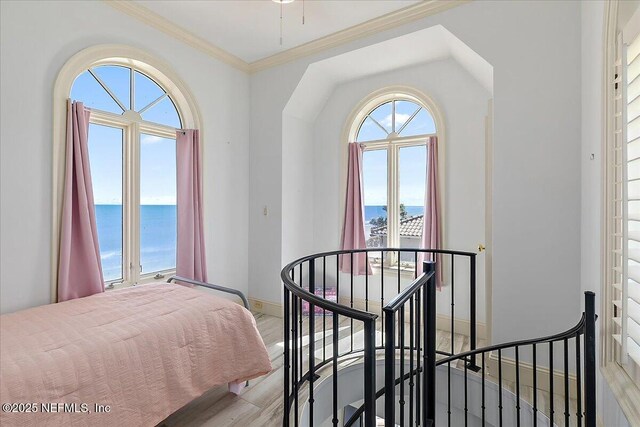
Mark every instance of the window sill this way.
pixel 150 278
pixel 625 391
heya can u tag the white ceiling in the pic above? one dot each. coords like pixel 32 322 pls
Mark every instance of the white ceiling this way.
pixel 250 29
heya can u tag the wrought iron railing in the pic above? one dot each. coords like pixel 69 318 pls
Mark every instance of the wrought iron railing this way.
pixel 402 332
pixel 578 342
pixel 317 296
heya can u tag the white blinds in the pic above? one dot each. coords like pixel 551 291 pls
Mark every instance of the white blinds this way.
pixel 628 306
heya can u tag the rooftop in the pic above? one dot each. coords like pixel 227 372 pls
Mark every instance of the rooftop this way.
pixel 409 227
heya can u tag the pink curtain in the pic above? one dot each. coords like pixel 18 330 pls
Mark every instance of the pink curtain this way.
pixel 353 228
pixel 191 261
pixel 79 265
pixel 432 226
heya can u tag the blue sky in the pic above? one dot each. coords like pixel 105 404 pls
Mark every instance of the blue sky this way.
pixel 157 154
pixel 412 176
pixel 412 160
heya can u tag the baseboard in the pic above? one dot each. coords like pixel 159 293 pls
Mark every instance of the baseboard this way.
pixel 265 307
pixel 526 375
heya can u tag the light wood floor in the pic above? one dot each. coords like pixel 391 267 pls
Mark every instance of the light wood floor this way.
pixel 261 403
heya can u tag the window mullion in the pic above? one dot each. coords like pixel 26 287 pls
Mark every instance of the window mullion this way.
pixel 392 203
pixel 135 205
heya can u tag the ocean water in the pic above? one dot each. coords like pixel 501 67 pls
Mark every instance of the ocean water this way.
pixel 157 238
pixel 158 235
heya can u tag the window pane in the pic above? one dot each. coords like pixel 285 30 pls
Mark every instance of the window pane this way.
pixel 412 173
pixel 105 159
pixel 117 80
pixel 374 171
pixel 164 112
pixel 382 115
pixel 404 110
pixel 157 203
pixel 421 124
pixel 146 90
pixel 87 90
pixel 369 131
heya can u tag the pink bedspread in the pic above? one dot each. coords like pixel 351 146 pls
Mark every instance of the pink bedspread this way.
pixel 144 351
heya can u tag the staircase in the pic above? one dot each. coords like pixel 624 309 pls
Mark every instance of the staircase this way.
pixel 367 350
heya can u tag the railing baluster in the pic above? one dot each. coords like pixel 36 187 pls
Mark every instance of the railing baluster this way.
pixel 551 382
pixel 452 339
pixel 411 351
pixel 418 351
pixel 566 382
pixel 473 330
pixel 578 383
pixel 389 371
pixel 338 279
pixel 466 394
pixel 399 271
pixel 484 407
pixel 453 304
pixel 287 346
pixel 295 358
pixel 382 290
pixel 324 312
pixel 300 329
pixel 366 282
pixel 449 393
pixel 401 335
pixel 351 301
pixel 429 395
pixel 312 337
pixel 590 360
pixel 334 368
pixel 535 386
pixel 518 386
pixel 370 374
pixel 500 385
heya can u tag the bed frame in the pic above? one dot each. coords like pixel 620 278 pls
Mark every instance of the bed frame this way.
pixel 245 301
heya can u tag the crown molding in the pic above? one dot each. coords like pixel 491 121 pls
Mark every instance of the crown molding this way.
pixel 367 28
pixel 382 23
pixel 151 18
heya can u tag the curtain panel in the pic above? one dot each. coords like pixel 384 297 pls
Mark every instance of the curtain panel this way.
pixel 191 260
pixel 79 265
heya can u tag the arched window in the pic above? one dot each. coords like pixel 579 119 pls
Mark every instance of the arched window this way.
pixel 135 112
pixel 394 128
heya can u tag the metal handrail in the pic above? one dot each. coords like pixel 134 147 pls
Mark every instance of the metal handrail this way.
pixel 570 333
pixel 242 296
pixel 324 304
pixel 402 297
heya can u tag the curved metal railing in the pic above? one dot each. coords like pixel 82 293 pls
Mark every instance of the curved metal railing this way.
pixel 395 310
pixel 323 287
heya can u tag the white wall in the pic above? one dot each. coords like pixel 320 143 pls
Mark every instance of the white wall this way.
pixel 37 39
pixel 298 209
pixel 537 150
pixel 463 103
pixel 592 15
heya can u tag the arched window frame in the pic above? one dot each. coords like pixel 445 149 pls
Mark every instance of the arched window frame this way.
pixel 393 144
pixel 133 124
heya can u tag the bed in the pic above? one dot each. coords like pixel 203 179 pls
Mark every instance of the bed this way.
pixel 127 357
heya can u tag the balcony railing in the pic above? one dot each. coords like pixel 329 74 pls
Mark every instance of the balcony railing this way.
pixel 388 316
